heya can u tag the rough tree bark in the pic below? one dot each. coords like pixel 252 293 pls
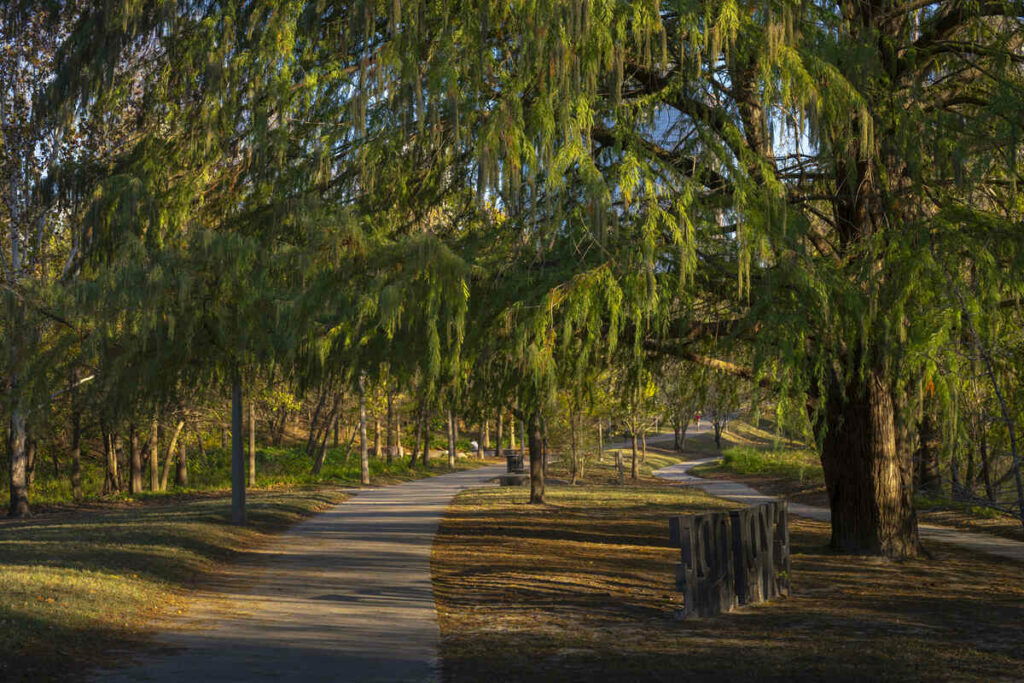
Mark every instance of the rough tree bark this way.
pixel 869 481
pixel 135 461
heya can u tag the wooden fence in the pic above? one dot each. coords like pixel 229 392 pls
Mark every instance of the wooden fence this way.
pixel 732 558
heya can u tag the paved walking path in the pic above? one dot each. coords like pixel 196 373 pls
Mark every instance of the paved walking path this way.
pixel 732 490
pixel 343 596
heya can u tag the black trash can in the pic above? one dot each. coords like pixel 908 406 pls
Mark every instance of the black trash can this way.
pixel 514 463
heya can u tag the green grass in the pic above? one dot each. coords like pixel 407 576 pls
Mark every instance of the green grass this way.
pixel 925 502
pixel 77 582
pixel 275 467
pixel 73 585
pixel 790 463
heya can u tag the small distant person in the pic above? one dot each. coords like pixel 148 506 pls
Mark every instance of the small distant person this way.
pixel 474 446
pixel 696 417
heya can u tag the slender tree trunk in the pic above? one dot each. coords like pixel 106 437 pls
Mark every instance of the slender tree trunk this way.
pixel 512 433
pixel 76 449
pixel 633 471
pixel 929 479
pixel 986 470
pixel 451 439
pixel 498 435
pixel 390 427
pixel 643 447
pixel 869 481
pixel 485 440
pixel 238 516
pixel 314 421
pixel 252 443
pixel 364 460
pixel 154 454
pixel 600 440
pixel 19 464
pixel 181 471
pixel 282 422
pixel 111 483
pixel 426 436
pixel 418 436
pixel 480 444
pixel 376 436
pixel 536 439
pixel 399 448
pixel 170 454
pixel 574 462
pixel 135 457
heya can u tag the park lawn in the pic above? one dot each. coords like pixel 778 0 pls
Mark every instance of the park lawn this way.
pixel 752 456
pixel 583 589
pixel 76 585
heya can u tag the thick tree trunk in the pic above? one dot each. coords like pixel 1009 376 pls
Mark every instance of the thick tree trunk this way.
pixel 252 444
pixel 135 461
pixel 364 458
pixel 868 479
pixel 19 465
pixel 536 439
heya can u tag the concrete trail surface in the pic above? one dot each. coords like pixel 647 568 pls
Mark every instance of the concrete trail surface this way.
pixel 731 490
pixel 343 596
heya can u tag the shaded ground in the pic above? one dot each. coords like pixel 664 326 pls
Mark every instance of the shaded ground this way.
pixel 582 589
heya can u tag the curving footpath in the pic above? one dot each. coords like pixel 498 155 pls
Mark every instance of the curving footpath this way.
pixel 731 490
pixel 343 596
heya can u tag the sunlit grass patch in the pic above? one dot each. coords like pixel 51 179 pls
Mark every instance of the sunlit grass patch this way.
pixel 74 585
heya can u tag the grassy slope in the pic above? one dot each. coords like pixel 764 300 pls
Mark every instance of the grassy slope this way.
pixel 76 583
pixel 582 589
pixel 753 456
